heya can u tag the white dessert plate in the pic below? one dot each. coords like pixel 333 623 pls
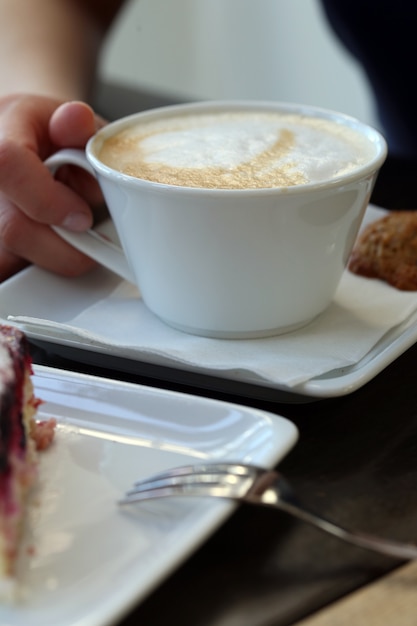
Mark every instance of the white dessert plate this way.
pixel 86 562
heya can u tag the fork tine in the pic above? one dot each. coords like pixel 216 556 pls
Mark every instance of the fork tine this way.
pixel 163 482
pixel 166 488
pixel 156 492
pixel 198 480
pixel 188 470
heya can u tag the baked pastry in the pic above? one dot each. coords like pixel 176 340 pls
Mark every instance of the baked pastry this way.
pixel 387 249
pixel 20 438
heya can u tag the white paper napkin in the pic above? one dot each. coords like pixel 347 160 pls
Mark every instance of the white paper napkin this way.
pixel 362 312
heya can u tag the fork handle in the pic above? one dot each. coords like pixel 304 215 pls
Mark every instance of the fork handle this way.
pixel 362 540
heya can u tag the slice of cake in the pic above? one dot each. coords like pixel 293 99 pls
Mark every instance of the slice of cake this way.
pixel 20 437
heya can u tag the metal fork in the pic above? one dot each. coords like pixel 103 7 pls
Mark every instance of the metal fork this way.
pixel 253 485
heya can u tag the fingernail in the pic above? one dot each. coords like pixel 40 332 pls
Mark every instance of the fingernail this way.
pixel 77 221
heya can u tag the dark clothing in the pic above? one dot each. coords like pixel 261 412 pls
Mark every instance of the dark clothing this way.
pixel 382 36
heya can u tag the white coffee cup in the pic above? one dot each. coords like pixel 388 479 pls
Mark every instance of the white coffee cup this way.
pixel 230 263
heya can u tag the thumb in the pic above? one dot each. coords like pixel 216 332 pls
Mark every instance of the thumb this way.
pixel 73 123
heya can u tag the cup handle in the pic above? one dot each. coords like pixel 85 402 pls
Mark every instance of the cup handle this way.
pixel 90 242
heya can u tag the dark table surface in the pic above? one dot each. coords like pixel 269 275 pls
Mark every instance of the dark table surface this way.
pixel 355 462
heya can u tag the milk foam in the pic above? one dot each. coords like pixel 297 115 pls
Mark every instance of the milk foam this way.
pixel 237 150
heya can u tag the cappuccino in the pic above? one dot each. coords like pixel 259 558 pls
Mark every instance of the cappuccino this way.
pixel 238 244
pixel 236 150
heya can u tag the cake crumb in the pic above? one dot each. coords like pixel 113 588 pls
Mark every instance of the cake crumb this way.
pixel 43 433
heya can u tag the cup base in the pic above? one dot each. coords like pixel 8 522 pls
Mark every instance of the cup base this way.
pixel 236 334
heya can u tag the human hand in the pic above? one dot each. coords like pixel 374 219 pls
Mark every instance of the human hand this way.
pixel 31 129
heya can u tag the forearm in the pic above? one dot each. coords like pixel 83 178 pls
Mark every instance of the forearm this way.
pixel 50 47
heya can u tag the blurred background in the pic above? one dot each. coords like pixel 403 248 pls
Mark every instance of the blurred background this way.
pixel 219 49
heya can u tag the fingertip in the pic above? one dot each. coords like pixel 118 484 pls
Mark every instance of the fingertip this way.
pixel 72 124
pixel 77 221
